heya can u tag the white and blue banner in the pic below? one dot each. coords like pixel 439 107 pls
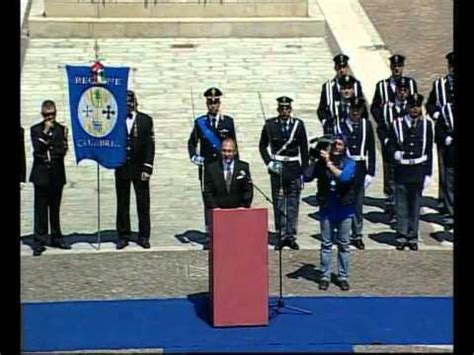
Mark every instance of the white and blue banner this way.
pixel 98 113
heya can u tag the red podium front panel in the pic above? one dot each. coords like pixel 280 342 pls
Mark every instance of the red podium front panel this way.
pixel 238 267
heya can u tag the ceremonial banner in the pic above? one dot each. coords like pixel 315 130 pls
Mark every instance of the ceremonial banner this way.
pixel 98 112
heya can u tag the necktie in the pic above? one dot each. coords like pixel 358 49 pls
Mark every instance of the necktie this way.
pixel 214 122
pixel 228 177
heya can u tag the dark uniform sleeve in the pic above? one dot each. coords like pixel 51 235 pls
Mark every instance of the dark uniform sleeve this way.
pixel 22 156
pixel 322 110
pixel 303 146
pixel 41 143
pixel 248 189
pixel 149 147
pixel 431 106
pixel 376 106
pixel 415 85
pixel 263 144
pixel 209 191
pixel 193 141
pixel 392 145
pixel 429 148
pixel 371 149
pixel 360 92
pixel 441 131
pixel 382 131
pixel 233 135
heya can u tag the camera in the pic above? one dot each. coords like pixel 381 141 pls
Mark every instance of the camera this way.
pixel 318 144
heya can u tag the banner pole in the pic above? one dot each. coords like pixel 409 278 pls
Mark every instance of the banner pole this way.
pixel 98 207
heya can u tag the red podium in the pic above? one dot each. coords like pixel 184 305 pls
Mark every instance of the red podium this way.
pixel 238 267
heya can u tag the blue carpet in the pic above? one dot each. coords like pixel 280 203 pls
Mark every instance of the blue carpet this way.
pixel 181 325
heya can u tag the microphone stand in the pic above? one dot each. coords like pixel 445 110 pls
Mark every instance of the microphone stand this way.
pixel 280 304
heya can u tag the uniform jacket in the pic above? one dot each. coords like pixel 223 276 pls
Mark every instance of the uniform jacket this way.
pixel 140 148
pixel 414 143
pixel 331 92
pixel 441 94
pixel 273 135
pixel 385 91
pixel 225 129
pixel 360 143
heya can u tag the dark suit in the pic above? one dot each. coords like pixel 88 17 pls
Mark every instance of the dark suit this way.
pixel 22 156
pixel 215 193
pixel 140 157
pixel 48 176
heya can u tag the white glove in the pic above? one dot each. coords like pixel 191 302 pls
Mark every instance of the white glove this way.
pixel 198 160
pixel 385 141
pixel 367 180
pixel 426 182
pixel 398 155
pixel 273 166
pixel 22 185
pixel 448 141
pixel 436 115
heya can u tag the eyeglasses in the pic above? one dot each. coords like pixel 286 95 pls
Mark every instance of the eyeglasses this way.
pixel 227 150
pixel 48 114
pixel 213 102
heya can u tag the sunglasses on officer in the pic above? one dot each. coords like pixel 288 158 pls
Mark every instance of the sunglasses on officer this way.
pixel 48 114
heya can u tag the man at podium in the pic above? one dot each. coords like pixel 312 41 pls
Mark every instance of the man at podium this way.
pixel 227 182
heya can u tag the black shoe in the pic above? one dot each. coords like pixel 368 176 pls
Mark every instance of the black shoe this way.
pixel 60 243
pixel 401 246
pixel 359 244
pixel 122 243
pixel 37 250
pixel 344 285
pixel 413 246
pixel 323 285
pixel 144 243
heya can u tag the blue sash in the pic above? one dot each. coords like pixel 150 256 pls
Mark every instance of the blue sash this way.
pixel 208 133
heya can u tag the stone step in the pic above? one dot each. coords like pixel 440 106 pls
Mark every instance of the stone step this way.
pixel 250 27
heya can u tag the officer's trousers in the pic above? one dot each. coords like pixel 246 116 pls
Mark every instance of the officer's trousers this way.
pixel 142 194
pixel 286 198
pixel 407 208
pixel 358 217
pixel 448 190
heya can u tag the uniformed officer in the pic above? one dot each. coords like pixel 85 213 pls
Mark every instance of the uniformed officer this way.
pixel 410 145
pixel 340 107
pixel 385 90
pixel 384 116
pixel 441 94
pixel 137 169
pixel 209 131
pixel 48 175
pixel 444 129
pixel 331 89
pixel 361 148
pixel 288 157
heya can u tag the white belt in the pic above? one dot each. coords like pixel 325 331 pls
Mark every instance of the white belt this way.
pixel 414 161
pixel 284 158
pixel 358 157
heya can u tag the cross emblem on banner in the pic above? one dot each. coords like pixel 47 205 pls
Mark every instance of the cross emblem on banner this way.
pixel 108 112
pixel 87 111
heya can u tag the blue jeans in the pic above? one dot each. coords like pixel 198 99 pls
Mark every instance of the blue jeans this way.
pixel 342 240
